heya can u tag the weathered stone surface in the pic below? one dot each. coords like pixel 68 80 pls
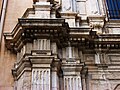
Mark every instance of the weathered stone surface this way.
pixel 59 45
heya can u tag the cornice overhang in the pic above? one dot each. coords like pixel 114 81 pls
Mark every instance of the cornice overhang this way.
pixel 85 39
pixel 46 23
pixel 29 29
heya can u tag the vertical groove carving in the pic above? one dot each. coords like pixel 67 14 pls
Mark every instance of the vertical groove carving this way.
pixel 72 83
pixel 42 44
pixel 40 79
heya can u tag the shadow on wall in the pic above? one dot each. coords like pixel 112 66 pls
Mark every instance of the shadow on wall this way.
pixel 117 87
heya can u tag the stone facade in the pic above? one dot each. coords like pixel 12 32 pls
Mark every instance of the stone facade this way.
pixel 61 45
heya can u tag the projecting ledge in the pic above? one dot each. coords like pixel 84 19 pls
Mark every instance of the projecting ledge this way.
pixel 41 22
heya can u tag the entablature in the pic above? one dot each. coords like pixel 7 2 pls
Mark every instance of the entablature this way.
pixel 58 30
pixel 28 29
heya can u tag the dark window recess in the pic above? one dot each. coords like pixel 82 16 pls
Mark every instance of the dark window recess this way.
pixel 113 9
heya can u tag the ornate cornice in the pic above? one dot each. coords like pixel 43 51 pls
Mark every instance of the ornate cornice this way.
pixel 28 29
pixel 56 29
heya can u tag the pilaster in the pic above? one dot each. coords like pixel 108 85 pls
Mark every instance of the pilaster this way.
pixel 41 70
pixel 72 75
pixel 36 47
